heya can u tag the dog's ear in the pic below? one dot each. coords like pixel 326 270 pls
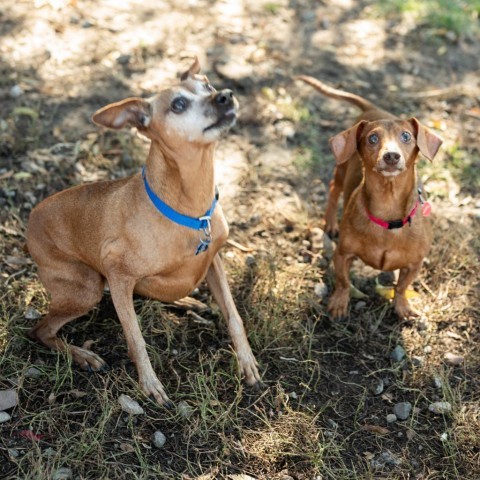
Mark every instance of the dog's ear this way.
pixel 344 144
pixel 192 71
pixel 134 112
pixel 428 142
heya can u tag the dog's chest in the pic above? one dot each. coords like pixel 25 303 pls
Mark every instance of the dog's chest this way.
pixel 392 249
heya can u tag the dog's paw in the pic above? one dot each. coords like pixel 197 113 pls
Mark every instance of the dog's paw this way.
pixel 248 367
pixel 87 359
pixel 152 387
pixel 338 305
pixel 403 309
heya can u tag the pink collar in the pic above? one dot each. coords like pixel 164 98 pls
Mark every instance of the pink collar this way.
pixel 394 223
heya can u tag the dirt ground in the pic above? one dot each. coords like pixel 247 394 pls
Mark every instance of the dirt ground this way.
pixel 329 386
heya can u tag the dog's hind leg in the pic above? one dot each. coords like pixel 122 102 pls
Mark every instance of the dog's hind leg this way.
pixel 75 289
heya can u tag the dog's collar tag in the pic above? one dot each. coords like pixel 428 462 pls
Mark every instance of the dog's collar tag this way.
pixel 426 206
pixel 202 224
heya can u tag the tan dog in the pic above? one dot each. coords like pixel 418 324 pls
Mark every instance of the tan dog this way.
pixel 112 231
pixel 385 217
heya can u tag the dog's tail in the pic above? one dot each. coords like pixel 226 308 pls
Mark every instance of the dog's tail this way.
pixel 359 102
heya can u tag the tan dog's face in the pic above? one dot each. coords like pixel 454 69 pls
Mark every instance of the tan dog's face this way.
pixel 387 147
pixel 192 112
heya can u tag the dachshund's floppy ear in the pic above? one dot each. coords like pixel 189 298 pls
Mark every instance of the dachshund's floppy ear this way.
pixel 427 142
pixel 344 144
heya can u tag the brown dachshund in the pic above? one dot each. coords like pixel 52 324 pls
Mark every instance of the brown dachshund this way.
pixel 156 234
pixel 385 219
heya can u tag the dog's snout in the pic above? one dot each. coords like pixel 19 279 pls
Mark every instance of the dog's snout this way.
pixel 224 98
pixel 391 158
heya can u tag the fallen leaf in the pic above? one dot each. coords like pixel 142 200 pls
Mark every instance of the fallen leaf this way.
pixel 388 397
pixel 410 434
pixel 127 448
pixel 77 393
pixel 28 434
pixel 368 455
pixel 25 111
pixel 377 429
pixel 355 292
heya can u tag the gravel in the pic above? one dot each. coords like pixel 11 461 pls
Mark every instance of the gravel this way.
pixel 129 405
pixel 398 353
pixel 402 410
pixel 440 408
pixel 159 439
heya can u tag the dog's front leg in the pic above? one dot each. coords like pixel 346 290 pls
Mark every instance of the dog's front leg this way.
pixel 217 282
pixel 400 302
pixel 338 304
pixel 121 288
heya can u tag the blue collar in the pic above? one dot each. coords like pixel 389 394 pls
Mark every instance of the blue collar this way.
pixel 202 223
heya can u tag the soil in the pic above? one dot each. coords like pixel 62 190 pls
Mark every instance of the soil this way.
pixel 316 417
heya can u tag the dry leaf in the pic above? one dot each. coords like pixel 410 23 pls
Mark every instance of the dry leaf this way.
pixel 377 429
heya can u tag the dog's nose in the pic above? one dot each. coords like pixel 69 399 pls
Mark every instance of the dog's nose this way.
pixel 224 98
pixel 391 158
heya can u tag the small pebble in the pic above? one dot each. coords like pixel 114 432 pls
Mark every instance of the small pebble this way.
pixel 49 452
pixel 250 260
pixel 328 247
pixel 453 359
pixel 159 439
pixel 398 354
pixel 316 239
pixel 123 59
pixel 4 417
pixel 13 452
pixel 385 459
pixel 320 290
pixel 437 382
pixel 184 409
pixel 33 372
pixel 129 405
pixel 422 324
pixel 360 305
pixel 428 349
pixel 402 410
pixel 418 361
pixel 32 314
pixel 8 399
pixel 16 91
pixel 440 408
pixel 63 473
pixel 391 418
pixel 378 387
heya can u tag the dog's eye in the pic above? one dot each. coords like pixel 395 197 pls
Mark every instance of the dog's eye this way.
pixel 406 137
pixel 179 105
pixel 373 139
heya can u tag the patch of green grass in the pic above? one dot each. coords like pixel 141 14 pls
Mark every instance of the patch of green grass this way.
pixel 272 7
pixel 458 16
pixel 459 167
pixel 313 155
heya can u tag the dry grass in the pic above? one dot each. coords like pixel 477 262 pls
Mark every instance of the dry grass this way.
pixel 317 416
